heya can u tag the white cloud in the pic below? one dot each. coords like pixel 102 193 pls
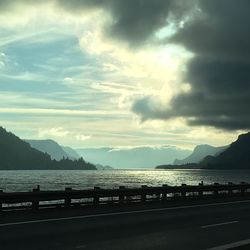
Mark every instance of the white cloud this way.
pixel 3 60
pixel 62 112
pixel 82 137
pixel 68 79
pixel 52 132
pixel 60 133
pixel 2 65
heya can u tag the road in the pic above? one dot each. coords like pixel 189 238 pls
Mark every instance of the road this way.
pixel 196 226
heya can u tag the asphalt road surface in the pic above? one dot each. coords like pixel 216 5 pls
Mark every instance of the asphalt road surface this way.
pixel 196 226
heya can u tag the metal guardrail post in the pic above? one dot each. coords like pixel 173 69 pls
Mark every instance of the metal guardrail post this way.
pixel 243 189
pixel 164 193
pixel 144 194
pixel 121 196
pixel 96 197
pixel 215 190
pixel 67 200
pixel 35 203
pixel 230 191
pixel 200 191
pixel 1 205
pixel 183 192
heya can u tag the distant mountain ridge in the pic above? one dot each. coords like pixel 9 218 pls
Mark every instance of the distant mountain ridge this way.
pixel 235 156
pixel 199 153
pixel 59 152
pixel 137 157
pixel 50 147
pixel 16 154
pixel 71 152
pixel 56 151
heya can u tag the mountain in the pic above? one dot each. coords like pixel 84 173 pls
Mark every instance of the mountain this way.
pixel 71 152
pixel 137 157
pixel 59 152
pixel 236 156
pixel 199 153
pixel 50 147
pixel 56 151
pixel 16 154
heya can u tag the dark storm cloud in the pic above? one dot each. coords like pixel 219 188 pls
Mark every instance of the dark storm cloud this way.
pixel 137 22
pixel 219 78
pixel 219 73
pixel 133 21
pixel 148 108
pixel 221 30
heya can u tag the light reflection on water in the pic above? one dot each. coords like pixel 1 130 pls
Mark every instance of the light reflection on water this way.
pixel 26 180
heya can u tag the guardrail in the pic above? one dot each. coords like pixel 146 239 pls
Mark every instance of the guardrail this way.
pixel 69 197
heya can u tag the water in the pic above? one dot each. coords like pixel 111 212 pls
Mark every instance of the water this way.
pixel 57 180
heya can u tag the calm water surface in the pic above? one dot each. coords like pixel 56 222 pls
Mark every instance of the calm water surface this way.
pixel 52 180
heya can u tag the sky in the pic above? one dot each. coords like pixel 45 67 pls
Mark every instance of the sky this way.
pixel 97 73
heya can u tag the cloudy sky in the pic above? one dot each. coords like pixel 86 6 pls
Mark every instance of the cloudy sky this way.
pixel 92 73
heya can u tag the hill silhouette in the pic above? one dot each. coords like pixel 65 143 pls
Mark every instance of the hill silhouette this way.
pixel 71 152
pixel 16 154
pixel 199 153
pixel 236 156
pixel 51 147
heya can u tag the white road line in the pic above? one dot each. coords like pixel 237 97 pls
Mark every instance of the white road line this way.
pixel 231 245
pixel 121 213
pixel 219 224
